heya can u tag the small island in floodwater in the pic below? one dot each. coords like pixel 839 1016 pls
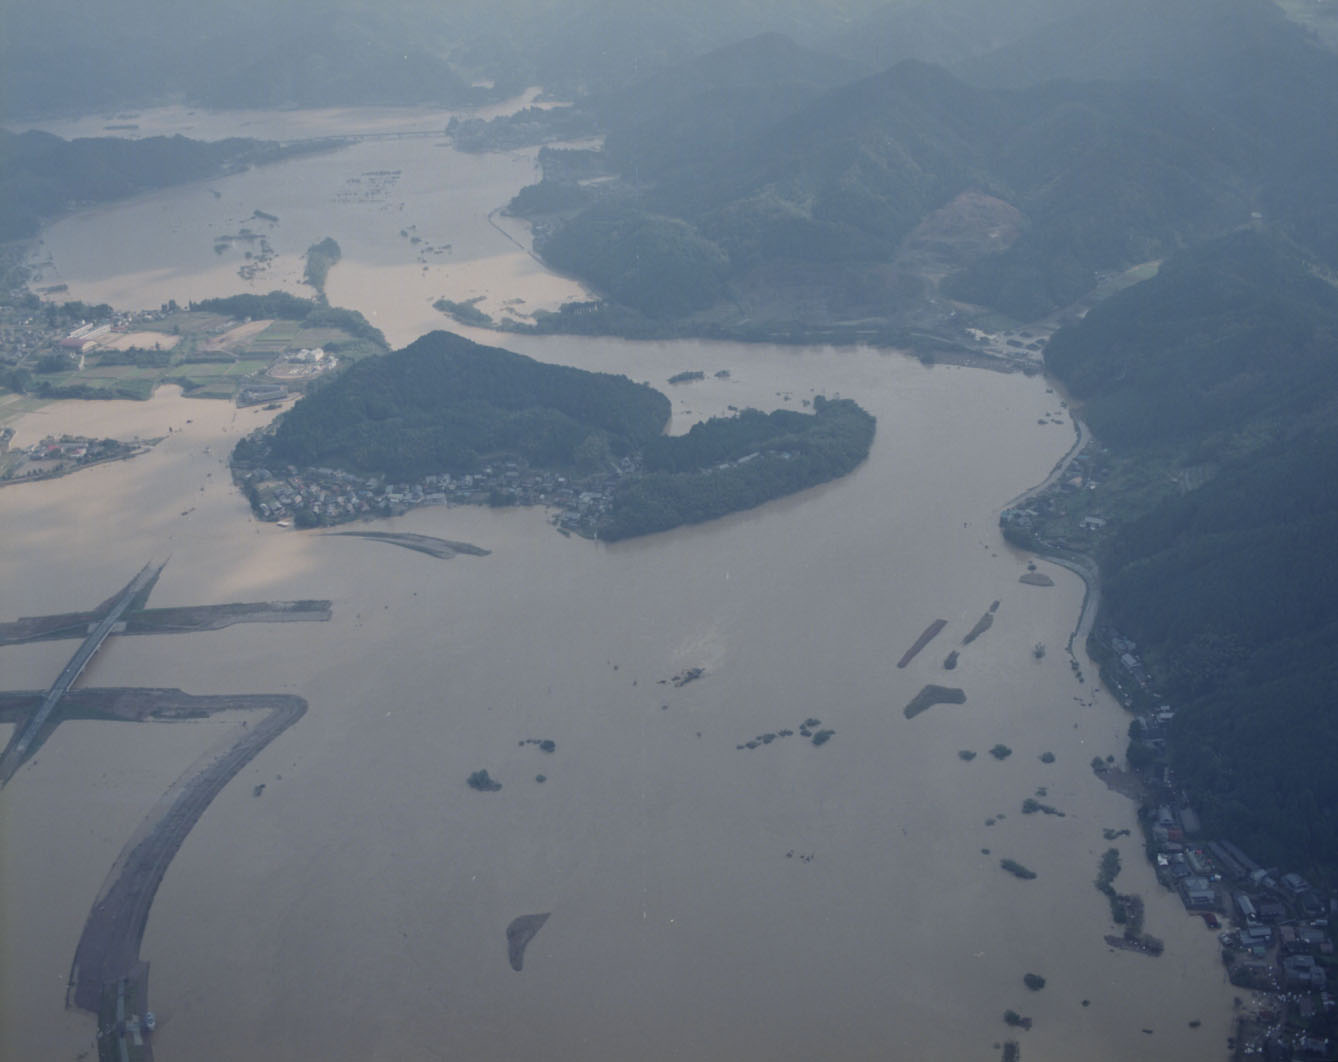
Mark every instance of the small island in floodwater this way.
pixel 932 695
pixel 446 420
pixel 519 933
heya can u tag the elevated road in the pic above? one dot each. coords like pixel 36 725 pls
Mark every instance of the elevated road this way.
pixel 18 749
pixel 109 946
pixel 334 139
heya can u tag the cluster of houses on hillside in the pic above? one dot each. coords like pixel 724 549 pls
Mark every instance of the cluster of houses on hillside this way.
pixel 1126 673
pixel 1067 516
pixel 24 335
pixel 1279 940
pixel 27 333
pixel 322 496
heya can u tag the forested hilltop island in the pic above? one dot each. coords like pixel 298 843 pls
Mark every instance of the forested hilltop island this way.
pixel 448 420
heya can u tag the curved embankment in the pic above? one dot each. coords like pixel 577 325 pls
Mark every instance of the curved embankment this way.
pixel 108 949
pixel 1086 569
pixel 1082 436
pixel 1080 564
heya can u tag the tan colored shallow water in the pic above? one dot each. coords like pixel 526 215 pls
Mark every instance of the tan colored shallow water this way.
pixel 357 909
pixel 413 218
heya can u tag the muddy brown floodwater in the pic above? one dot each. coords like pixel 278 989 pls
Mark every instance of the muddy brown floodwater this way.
pixel 785 902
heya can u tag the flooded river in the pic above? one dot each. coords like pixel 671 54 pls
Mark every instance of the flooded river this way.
pixel 707 902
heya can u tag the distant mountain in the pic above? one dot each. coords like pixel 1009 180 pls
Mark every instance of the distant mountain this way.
pixel 713 102
pixel 329 65
pixel 599 45
pixel 1177 122
pixel 1104 175
pixel 59 56
pixel 944 32
pixel 1173 41
pixel 1258 77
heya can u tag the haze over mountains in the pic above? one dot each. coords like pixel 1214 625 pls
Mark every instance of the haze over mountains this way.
pixel 780 170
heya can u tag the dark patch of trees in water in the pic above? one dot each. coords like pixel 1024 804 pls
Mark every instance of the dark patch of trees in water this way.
pixel 320 258
pixel 483 782
pixel 312 313
pixel 1017 869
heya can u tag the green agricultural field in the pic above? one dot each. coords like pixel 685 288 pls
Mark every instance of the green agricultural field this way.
pixel 192 363
pixel 189 323
pixel 219 379
pixel 318 337
pixel 278 337
pixel 13 406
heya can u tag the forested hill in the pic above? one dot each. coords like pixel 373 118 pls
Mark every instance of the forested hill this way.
pixel 1227 362
pixel 443 401
pixel 706 107
pixel 42 175
pixel 1232 592
pixel 1232 331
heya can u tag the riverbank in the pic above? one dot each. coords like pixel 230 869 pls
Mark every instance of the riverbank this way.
pixel 1082 565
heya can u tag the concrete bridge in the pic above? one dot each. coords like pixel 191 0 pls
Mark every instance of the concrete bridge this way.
pixel 340 138
pixel 18 748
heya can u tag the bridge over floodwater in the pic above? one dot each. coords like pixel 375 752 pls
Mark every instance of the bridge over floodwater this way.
pixel 334 139
pixel 18 749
